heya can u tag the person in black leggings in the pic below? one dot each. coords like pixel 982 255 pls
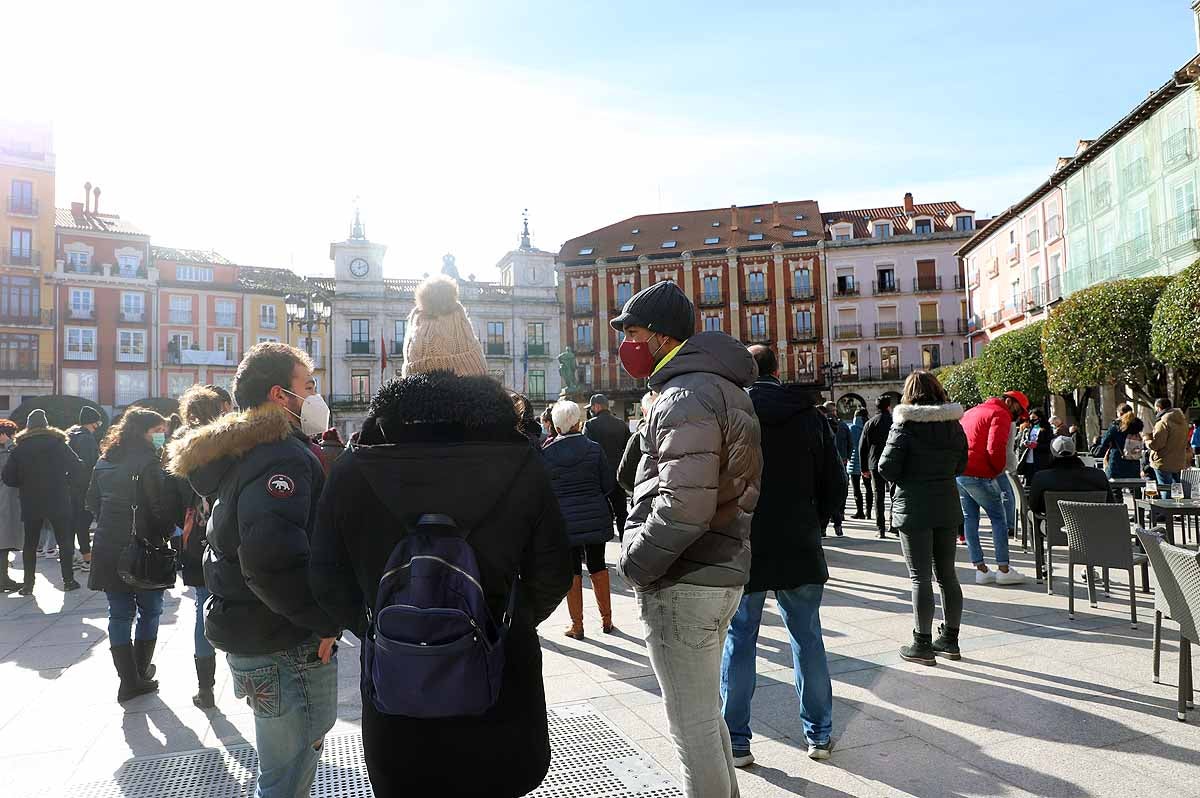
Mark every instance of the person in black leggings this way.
pixel 870 447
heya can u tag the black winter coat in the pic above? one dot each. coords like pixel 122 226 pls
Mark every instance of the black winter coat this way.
pixel 627 470
pixel 801 486
pixel 451 448
pixel 45 469
pixel 841 438
pixel 612 434
pixel 874 438
pixel 85 446
pixel 110 499
pixel 926 450
pixel 262 480
pixel 1065 474
pixel 582 480
pixel 1113 444
pixel 1041 453
pixel 179 498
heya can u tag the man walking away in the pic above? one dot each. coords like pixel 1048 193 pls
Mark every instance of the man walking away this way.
pixel 262 482
pixel 870 447
pixel 842 443
pixel 45 469
pixel 854 467
pixel 1169 443
pixel 987 427
pixel 82 440
pixel 801 489
pixel 696 488
pixel 612 434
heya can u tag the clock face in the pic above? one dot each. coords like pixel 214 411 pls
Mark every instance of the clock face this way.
pixel 359 267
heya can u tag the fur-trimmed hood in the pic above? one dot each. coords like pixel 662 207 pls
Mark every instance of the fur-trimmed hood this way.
pixel 926 414
pixel 230 436
pixel 37 432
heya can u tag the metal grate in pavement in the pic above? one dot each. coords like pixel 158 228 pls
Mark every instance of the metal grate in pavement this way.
pixel 589 759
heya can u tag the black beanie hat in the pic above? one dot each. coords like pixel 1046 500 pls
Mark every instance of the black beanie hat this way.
pixel 89 415
pixel 662 308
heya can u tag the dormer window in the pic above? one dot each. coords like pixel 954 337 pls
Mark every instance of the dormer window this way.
pixel 586 251
pixel 881 229
pixel 964 224
pixel 799 233
pixel 627 247
pixel 842 232
pixel 799 217
pixel 712 240
pixel 635 231
pixel 668 244
pixel 758 220
pixel 755 237
pixel 716 224
pixel 922 226
pixel 674 227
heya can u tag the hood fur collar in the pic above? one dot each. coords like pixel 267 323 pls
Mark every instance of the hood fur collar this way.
pixel 37 432
pixel 231 436
pixel 924 414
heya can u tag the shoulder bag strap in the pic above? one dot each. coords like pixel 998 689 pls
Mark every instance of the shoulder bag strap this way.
pixel 135 478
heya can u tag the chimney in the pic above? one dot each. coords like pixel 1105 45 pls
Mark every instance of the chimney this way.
pixel 96 204
pixel 733 222
pixel 775 222
pixel 909 208
pixel 87 197
pixel 77 209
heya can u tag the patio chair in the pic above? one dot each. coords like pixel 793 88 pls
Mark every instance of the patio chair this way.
pixel 1023 511
pixel 1098 536
pixel 1161 573
pixel 1052 533
pixel 1178 573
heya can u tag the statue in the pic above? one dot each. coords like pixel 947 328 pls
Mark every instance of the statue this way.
pixel 566 370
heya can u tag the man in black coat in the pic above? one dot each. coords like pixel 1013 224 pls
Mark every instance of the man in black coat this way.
pixel 262 479
pixel 802 484
pixel 612 434
pixel 82 440
pixel 841 440
pixel 870 447
pixel 1066 472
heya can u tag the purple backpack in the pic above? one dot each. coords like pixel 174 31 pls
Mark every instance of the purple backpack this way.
pixel 433 649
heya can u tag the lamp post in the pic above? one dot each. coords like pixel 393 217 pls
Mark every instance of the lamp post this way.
pixel 832 371
pixel 311 313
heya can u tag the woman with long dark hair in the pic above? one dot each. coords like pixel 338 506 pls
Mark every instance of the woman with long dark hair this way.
pixel 926 449
pixel 129 473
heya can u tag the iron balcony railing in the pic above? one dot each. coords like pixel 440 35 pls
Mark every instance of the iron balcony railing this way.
pixel 803 334
pixel 963 326
pixel 930 326
pixel 497 348
pixel 1177 147
pixel 1102 196
pixel 758 336
pixel 1136 174
pixel 710 299
pixel 586 347
pixel 582 309
pixel 360 347
pixel 175 357
pixel 179 316
pixel 1035 299
pixel 846 290
pixel 889 329
pixel 32 318
pixel 802 294
pixel 22 206
pixel 82 314
pixel 885 287
pixel 536 349
pixel 81 351
pixel 20 257
pixel 396 346
pixel 927 285
pixel 755 297
pixel 845 332
pixel 268 323
pixel 996 316
pixel 133 316
pixel 1053 290
pixel 27 371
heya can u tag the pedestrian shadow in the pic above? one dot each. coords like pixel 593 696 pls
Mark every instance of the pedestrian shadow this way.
pixel 795 785
pixel 173 735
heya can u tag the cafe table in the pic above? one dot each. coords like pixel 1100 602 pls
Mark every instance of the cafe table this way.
pixel 1166 509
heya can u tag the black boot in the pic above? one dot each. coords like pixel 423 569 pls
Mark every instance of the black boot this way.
pixel 132 684
pixel 946 644
pixel 7 585
pixel 143 654
pixel 206 677
pixel 920 651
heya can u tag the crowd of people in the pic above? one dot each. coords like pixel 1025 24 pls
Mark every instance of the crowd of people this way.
pixel 458 519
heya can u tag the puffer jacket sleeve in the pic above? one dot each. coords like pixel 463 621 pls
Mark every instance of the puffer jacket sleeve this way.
pixel 331 576
pixel 154 495
pixel 92 499
pixel 11 475
pixel 546 566
pixel 608 477
pixel 627 472
pixel 894 459
pixel 829 481
pixel 864 444
pixel 997 439
pixel 687 438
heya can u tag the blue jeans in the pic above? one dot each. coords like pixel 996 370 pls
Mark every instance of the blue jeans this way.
pixel 145 605
pixel 294 698
pixel 1166 477
pixel 801 611
pixel 203 647
pixel 975 493
pixel 1010 500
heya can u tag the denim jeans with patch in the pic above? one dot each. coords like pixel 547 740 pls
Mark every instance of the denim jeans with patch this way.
pixel 974 494
pixel 294 698
pixel 685 629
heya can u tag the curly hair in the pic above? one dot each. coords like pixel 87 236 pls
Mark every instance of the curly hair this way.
pixel 129 431
pixel 200 405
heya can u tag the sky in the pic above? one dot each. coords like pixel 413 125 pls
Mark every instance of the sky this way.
pixel 255 127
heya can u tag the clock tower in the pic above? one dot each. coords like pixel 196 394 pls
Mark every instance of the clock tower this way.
pixel 358 263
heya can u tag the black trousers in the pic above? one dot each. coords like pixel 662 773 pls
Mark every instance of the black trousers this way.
pixel 930 552
pixel 81 525
pixel 860 485
pixel 881 490
pixel 62 535
pixel 619 503
pixel 593 554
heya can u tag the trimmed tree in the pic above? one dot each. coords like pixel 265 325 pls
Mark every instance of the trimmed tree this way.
pixel 1102 334
pixel 1175 333
pixel 960 382
pixel 1013 362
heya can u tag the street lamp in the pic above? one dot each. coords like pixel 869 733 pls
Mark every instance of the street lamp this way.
pixel 310 312
pixel 832 372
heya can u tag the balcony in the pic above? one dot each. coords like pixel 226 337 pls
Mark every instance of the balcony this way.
pixel 89 351
pixel 711 300
pixel 200 357
pixel 847 332
pixel 585 347
pixel 34 318
pixel 360 348
pixel 930 327
pixel 927 285
pixel 27 371
pixel 396 347
pixel 29 258
pixel 958 282
pixel 1177 148
pixel 537 349
pixel 759 336
pixel 1180 231
pixel 1054 290
pixel 884 373
pixel 889 329
pixel 82 314
pixel 1102 197
pixel 804 335
pixel 582 309
pixel 964 326
pixel 230 320
pixel 1077 213
pixel 994 267
pixel 1033 241
pixel 20 206
pixel 265 324
pixel 756 297
pixel 1136 174
pixel 80 268
pixel 1034 299
pixel 179 316
pixel 497 348
pixel 995 317
pixel 130 354
pixel 802 294
pixel 845 290
pixel 132 316
pixel 806 376
pixel 884 287
pixel 1053 228
pixel 1014 253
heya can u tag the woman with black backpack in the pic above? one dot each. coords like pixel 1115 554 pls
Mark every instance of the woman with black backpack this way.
pixel 128 473
pixel 440 459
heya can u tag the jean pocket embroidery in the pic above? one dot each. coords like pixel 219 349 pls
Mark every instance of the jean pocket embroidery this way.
pixel 260 688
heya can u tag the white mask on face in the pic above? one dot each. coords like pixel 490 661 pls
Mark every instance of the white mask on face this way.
pixel 314 413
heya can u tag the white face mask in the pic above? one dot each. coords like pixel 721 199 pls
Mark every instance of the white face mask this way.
pixel 314 413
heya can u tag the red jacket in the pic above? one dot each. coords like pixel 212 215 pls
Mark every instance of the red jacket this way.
pixel 987 427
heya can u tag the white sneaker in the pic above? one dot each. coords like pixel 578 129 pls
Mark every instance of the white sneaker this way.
pixel 1010 577
pixel 984 577
pixel 742 759
pixel 52 551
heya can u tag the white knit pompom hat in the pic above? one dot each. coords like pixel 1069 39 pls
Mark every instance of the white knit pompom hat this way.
pixel 439 336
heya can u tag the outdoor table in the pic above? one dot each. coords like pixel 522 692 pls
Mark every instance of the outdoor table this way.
pixel 1127 483
pixel 1168 508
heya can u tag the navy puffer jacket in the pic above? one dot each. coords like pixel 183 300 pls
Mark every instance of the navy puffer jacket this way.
pixel 582 480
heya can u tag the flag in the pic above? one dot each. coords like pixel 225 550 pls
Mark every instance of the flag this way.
pixel 382 358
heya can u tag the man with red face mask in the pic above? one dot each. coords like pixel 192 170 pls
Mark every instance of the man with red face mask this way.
pixel 687 549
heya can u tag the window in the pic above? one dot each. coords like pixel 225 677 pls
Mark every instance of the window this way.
pixel 756 283
pixel 1033 233
pixel 81 343
pixel 536 385
pixel 964 224
pixel 635 231
pixel 841 237
pixel 583 336
pixel 133 306
pixel 178 383
pixel 1055 266
pixel 127 265
pixel 804 323
pixel 755 237
pixel 712 323
pixel 931 356
pixel 360 337
pixel 270 339
pixel 583 374
pixel 887 280
pixel 79 261
pixel 849 362
pixel 627 247
pixel 81 383
pixel 845 284
pixel 889 362
pixel 712 240
pixel 799 217
pixel 18 354
pixel 131 346
pixel 802 283
pixel 799 233
pixel 180 310
pixel 716 224
pixel 21 246
pixel 227 343
pixel 668 244
pixel 923 227
pixel 586 251
pixel 674 227
pixel 19 297
pixel 20 197
pixel 311 345
pixel 1015 301
pixel 535 338
pixel 131 386
pixel 758 326
pixel 624 292
pixel 227 312
pixel 82 303
pixel 711 288
pixel 758 220
pixel 583 297
pixel 178 342
pixel 194 274
pixel 882 230
pixel 267 316
pixel 360 384
pixel 399 330
pixel 806 365
pixel 495 338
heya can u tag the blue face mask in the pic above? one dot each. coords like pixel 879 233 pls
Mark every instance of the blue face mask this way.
pixel 159 439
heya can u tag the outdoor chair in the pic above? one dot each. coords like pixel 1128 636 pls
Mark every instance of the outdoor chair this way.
pixel 1022 508
pixel 1178 573
pixel 1161 573
pixel 1052 533
pixel 1098 536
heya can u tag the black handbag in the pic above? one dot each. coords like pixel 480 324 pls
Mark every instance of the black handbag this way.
pixel 143 565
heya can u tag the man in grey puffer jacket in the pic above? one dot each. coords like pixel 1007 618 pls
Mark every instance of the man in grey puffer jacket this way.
pixel 687 540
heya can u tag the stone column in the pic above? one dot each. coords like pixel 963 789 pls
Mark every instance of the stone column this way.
pixel 735 293
pixel 781 310
pixel 688 283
